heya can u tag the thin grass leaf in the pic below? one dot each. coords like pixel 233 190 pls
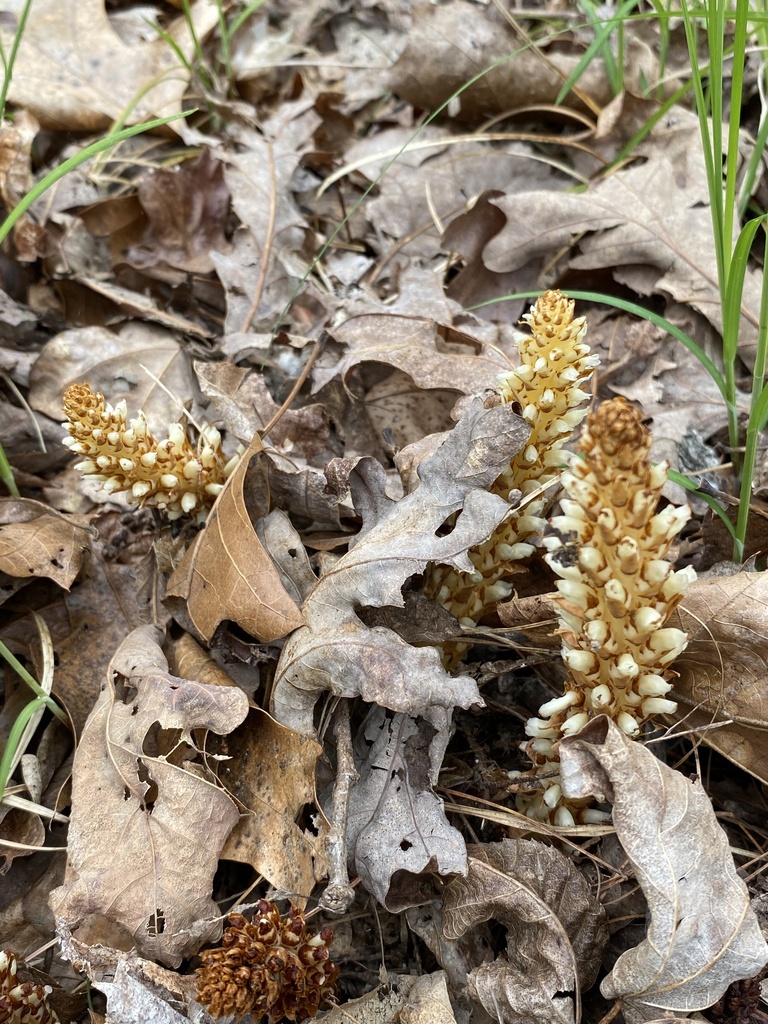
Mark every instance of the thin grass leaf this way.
pixel 6 474
pixel 75 161
pixel 244 15
pixel 600 44
pixel 734 118
pixel 635 310
pixel 757 413
pixel 14 740
pixel 714 504
pixel 731 312
pixel 11 59
pixel 32 683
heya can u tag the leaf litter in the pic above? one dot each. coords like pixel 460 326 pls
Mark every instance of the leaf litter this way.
pixel 300 263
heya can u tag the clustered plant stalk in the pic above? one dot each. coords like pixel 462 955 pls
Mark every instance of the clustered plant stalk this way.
pixel 617 591
pixel 554 363
pixel 168 474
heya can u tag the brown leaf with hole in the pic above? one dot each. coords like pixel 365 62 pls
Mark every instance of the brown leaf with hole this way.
pixel 556 929
pixel 724 669
pixel 397 831
pixel 271 771
pixel 148 818
pixel 37 541
pixel 702 933
pixel 227 574
pixel 335 651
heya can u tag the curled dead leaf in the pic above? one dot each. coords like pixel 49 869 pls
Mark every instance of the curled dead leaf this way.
pixel 702 934
pixel 335 651
pixel 556 929
pixel 227 574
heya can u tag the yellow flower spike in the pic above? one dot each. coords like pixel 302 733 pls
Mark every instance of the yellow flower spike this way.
pixel 614 608
pixel 168 474
pixel 554 362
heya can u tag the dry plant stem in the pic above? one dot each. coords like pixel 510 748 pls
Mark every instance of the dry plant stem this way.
pixel 554 362
pixel 339 894
pixel 616 593
pixel 270 235
pixel 319 345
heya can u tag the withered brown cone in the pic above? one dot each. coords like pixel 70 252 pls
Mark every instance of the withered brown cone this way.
pixel 270 966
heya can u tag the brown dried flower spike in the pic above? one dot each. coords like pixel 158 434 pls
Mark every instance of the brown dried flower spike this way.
pixel 167 474
pixel 270 966
pixel 22 1002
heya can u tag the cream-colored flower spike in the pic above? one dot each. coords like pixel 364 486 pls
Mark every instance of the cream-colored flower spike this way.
pixel 616 591
pixel 169 474
pixel 554 363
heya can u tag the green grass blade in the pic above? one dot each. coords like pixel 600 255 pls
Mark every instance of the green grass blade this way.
pixel 6 474
pixel 14 738
pixel 714 504
pixel 635 310
pixel 32 683
pixel 11 59
pixel 75 161
pixel 244 15
pixel 601 43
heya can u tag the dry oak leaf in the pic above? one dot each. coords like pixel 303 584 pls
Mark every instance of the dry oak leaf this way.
pixel 724 669
pixel 651 214
pixel 451 44
pixel 37 541
pixel 271 771
pixel 397 831
pixel 111 362
pixel 556 930
pixel 227 574
pixel 335 651
pixel 702 934
pixel 73 71
pixel 147 829
pixel 434 355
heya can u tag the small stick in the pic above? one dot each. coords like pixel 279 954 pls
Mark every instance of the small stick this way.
pixel 339 893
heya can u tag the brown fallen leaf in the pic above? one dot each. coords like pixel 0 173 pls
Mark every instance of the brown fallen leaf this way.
pixel 449 44
pixel 74 72
pixel 556 929
pixel 270 770
pixel 653 214
pixel 335 651
pixel 433 355
pixel 226 573
pixel 111 361
pixel 397 832
pixel 186 209
pixel 147 829
pixel 37 541
pixel 724 669
pixel 702 934
pixel 89 622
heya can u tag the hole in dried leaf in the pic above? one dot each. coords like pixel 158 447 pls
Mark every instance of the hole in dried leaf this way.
pixel 446 528
pixel 156 923
pixel 145 776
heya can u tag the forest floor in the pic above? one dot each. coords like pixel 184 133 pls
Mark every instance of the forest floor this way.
pixel 282 621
